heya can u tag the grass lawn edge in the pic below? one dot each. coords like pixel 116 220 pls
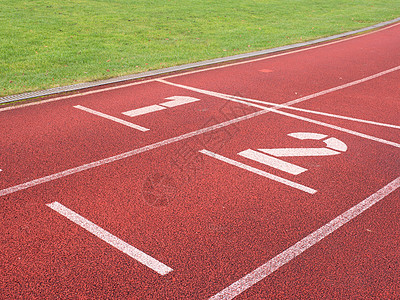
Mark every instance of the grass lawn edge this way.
pixel 93 84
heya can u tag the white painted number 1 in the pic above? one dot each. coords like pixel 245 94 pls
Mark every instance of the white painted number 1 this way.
pixel 269 156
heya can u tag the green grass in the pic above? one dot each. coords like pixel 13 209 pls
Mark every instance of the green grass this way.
pixel 48 43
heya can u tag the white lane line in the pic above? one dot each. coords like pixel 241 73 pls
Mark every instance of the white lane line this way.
pixel 143 110
pixel 179 100
pixel 343 86
pixel 100 114
pixel 296 101
pixel 110 239
pixel 352 132
pixel 286 256
pixel 272 162
pixel 320 113
pixel 259 172
pixel 234 99
pixel 124 155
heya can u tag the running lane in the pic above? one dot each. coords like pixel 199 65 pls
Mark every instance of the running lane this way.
pixel 190 187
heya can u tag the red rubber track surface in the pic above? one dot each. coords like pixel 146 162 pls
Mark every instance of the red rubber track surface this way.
pixel 210 221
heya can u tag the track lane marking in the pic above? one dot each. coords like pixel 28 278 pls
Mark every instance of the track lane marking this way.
pixel 111 239
pixel 286 256
pixel 259 172
pixel 108 117
pixel 289 104
pixel 319 113
pixel 343 86
pixel 233 99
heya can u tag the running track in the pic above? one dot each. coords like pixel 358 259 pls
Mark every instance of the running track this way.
pixel 271 178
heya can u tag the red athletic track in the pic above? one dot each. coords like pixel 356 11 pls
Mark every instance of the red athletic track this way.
pixel 217 222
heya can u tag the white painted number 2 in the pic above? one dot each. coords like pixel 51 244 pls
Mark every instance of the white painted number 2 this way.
pixel 270 158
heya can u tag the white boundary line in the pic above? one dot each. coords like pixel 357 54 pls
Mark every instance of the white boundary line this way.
pixel 111 239
pixel 196 71
pixel 235 163
pixel 233 99
pixel 287 105
pixel 319 113
pixel 120 121
pixel 286 256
